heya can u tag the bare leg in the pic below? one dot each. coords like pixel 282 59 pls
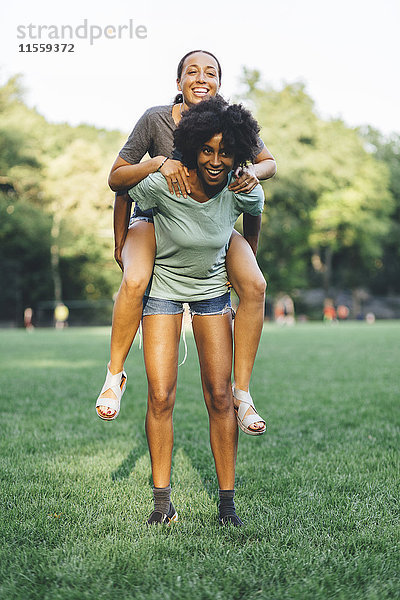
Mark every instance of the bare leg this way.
pixel 213 335
pixel 161 346
pixel 138 260
pixel 249 284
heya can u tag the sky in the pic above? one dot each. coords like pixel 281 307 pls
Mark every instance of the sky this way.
pixel 345 52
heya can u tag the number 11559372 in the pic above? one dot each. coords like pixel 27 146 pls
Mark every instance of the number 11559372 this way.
pixel 46 48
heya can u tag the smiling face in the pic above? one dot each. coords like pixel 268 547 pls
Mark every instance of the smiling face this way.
pixel 214 162
pixel 199 79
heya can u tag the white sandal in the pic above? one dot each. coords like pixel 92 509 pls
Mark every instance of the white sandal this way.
pixel 246 402
pixel 117 384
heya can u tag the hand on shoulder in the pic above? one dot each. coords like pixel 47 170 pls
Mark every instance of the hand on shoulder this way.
pixel 244 180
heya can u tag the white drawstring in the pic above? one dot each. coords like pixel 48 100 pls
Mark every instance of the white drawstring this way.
pixel 184 341
pixel 140 335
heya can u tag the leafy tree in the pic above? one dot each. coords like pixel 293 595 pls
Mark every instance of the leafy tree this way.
pixel 59 172
pixel 25 258
pixel 329 200
pixel 332 217
pixel 386 269
pixel 352 214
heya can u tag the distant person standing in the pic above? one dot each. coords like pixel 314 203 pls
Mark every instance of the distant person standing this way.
pixel 28 316
pixel 284 310
pixel 61 314
pixel 329 313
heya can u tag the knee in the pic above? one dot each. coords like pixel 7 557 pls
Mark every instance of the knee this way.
pixel 134 284
pixel 254 290
pixel 220 398
pixel 259 287
pixel 161 402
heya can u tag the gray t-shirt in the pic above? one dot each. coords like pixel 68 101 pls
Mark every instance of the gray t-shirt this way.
pixel 192 237
pixel 154 133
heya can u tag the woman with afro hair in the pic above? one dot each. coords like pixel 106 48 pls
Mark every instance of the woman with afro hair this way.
pixel 192 238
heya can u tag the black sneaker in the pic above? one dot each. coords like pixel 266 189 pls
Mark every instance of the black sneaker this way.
pixel 159 518
pixel 231 519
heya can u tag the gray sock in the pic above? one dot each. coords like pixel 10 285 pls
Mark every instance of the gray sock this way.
pixel 226 503
pixel 227 513
pixel 162 499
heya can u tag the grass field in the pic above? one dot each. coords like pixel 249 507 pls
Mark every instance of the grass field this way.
pixel 319 493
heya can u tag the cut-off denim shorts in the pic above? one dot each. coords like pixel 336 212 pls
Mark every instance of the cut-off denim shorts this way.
pixel 213 306
pixel 141 215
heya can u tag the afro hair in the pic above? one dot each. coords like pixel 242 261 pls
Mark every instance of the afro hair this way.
pixel 210 117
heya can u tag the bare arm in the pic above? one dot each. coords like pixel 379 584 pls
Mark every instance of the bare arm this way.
pixel 122 212
pixel 264 168
pixel 265 165
pixel 123 175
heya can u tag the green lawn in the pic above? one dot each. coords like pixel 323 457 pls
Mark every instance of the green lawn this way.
pixel 319 493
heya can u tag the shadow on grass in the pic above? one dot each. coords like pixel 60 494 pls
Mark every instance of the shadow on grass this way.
pixel 128 464
pixel 199 463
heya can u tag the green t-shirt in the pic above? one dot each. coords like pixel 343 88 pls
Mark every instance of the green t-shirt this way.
pixel 192 238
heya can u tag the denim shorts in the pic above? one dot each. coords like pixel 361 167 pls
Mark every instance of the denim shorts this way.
pixel 141 215
pixel 212 306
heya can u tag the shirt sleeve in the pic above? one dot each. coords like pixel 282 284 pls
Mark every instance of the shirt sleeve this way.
pixel 260 145
pixel 138 142
pixel 251 203
pixel 145 192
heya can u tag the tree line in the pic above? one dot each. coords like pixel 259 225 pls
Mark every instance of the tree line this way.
pixel 332 216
